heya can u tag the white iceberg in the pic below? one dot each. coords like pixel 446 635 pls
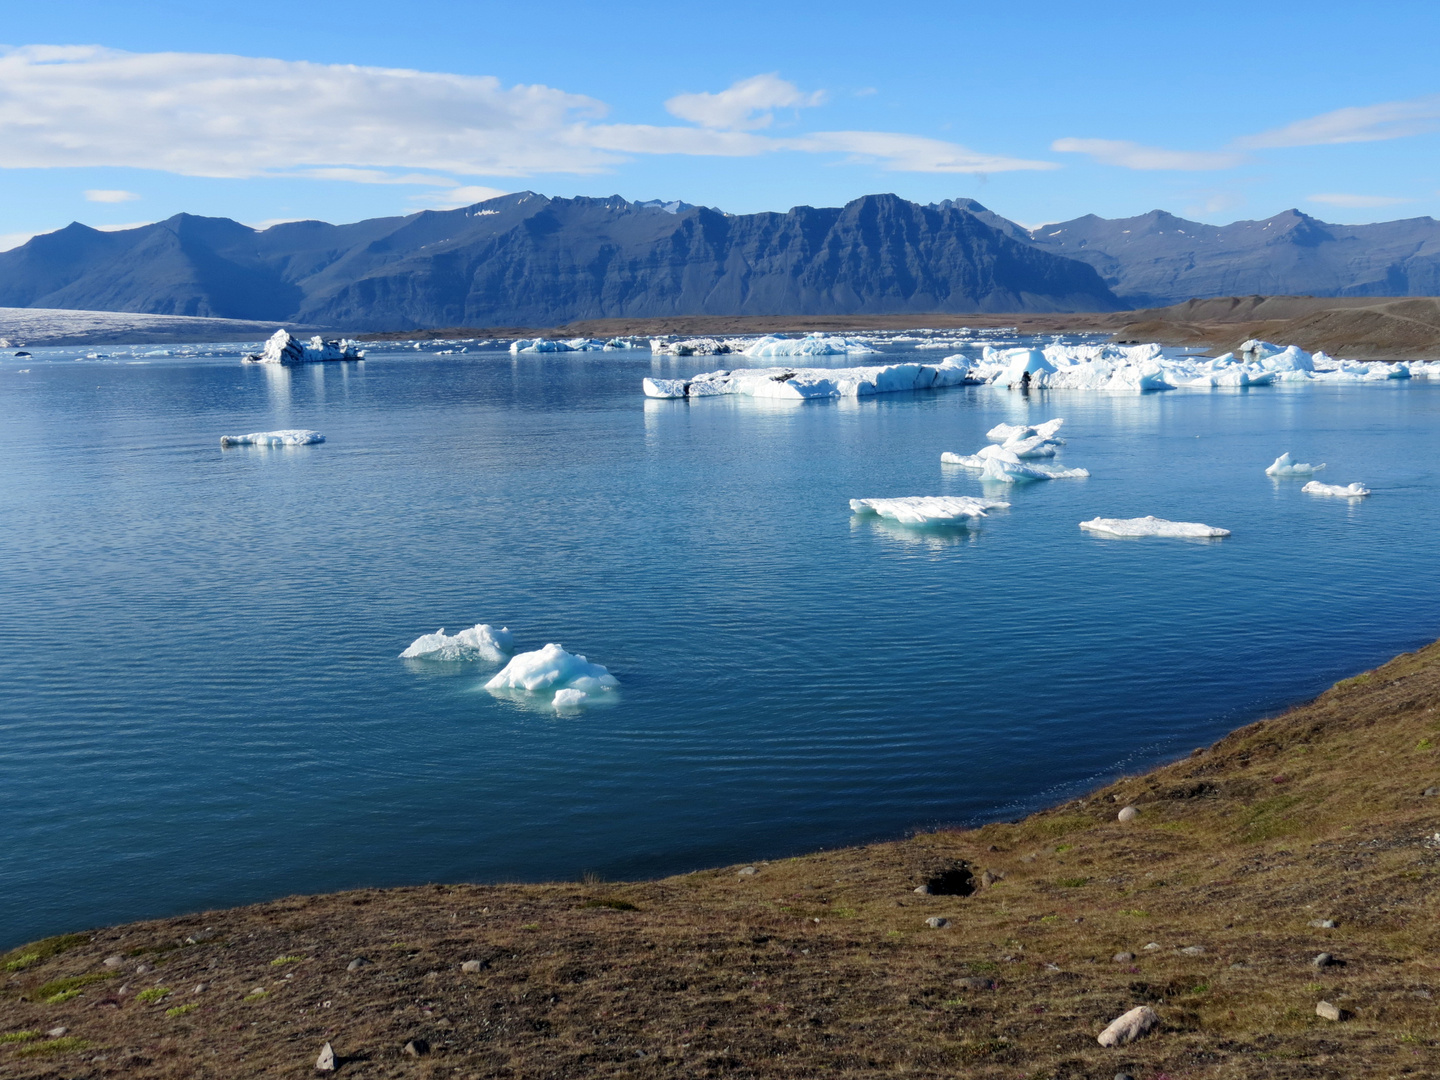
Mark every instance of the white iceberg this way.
pixel 284 349
pixel 569 698
pixel 550 345
pixel 1341 491
pixel 481 640
pixel 1152 526
pixel 1010 433
pixel 1285 465
pixel 809 345
pixel 801 383
pixel 1006 468
pixel 927 509
pixel 552 668
pixel 1005 462
pixel 285 437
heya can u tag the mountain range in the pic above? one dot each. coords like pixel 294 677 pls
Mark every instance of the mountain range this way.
pixel 530 260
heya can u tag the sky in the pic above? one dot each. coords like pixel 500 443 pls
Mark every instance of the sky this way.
pixel 118 113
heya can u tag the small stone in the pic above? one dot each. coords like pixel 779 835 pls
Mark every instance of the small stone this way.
pixel 973 983
pixel 923 890
pixel 470 967
pixel 935 922
pixel 123 990
pixel 144 969
pixel 200 988
pixel 990 877
pixel 417 1048
pixel 56 1032
pixel 1152 946
pixel 358 963
pixel 747 871
pixel 1129 813
pixel 1324 924
pixel 1432 791
pixel 1193 950
pixel 113 962
pixel 1124 957
pixel 1327 1011
pixel 326 1061
pixel 1239 965
pixel 1323 960
pixel 1424 995
pixel 1133 1025
pixel 208 934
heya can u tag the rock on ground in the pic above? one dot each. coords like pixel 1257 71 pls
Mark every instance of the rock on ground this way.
pixel 1133 1025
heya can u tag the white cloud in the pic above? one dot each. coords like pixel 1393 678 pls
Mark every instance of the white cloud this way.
pixel 109 196
pixel 15 239
pixel 1214 202
pixel 910 153
pixel 1356 202
pixel 1129 155
pixel 378 176
pixel 457 196
pixel 1365 123
pixel 747 105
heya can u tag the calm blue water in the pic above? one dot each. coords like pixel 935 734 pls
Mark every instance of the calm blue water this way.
pixel 201 702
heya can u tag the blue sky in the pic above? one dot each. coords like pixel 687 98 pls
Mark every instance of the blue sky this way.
pixel 118 112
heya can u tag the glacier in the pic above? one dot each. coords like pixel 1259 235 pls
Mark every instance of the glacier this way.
pixel 927 509
pixel 285 437
pixel 799 383
pixel 480 641
pixel 552 669
pixel 1152 526
pixel 1342 491
pixel 1284 465
pixel 282 348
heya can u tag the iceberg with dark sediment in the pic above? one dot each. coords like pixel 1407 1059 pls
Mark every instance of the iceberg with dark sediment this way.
pixel 1285 465
pixel 282 348
pixel 1340 491
pixel 693 346
pixel 481 641
pixel 1152 526
pixel 285 437
pixel 927 509
pixel 800 383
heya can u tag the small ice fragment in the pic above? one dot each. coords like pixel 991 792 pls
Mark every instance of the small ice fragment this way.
pixel 1003 466
pixel 1285 466
pixel 569 698
pixel 1004 433
pixel 927 509
pixel 1342 491
pixel 552 668
pixel 481 640
pixel 285 437
pixel 1151 526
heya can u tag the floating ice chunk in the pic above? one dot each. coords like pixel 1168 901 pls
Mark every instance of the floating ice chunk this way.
pixel 552 668
pixel 1342 491
pixel 282 348
pixel 570 698
pixel 927 509
pixel 809 345
pixel 800 383
pixel 1006 468
pixel 481 640
pixel 286 437
pixel 1009 433
pixel 1284 465
pixel 1151 526
pixel 690 347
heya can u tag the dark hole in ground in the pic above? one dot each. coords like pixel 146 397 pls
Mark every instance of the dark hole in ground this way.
pixel 955 882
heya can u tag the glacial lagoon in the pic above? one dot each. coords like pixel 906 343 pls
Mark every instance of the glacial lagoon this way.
pixel 203 698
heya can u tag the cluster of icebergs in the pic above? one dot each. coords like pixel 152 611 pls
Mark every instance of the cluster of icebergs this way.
pixel 1284 466
pixel 551 345
pixel 284 437
pixel 284 349
pixel 768 347
pixel 569 678
pixel 1005 459
pixel 799 383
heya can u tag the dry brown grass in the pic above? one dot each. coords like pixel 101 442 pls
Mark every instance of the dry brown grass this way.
pixel 823 965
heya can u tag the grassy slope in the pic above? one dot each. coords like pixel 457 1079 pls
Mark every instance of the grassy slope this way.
pixel 823 965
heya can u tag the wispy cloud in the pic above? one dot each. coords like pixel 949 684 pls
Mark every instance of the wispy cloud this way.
pixel 121 228
pixel 109 196
pixel 746 106
pixel 15 239
pixel 1363 123
pixel 1130 155
pixel 232 116
pixel 455 197
pixel 1356 202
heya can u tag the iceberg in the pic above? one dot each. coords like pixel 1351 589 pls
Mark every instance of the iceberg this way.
pixel 1284 465
pixel 801 383
pixel 690 347
pixel 927 509
pixel 549 345
pixel 481 640
pixel 1006 468
pixel 552 668
pixel 569 698
pixel 1152 526
pixel 809 345
pixel 1342 491
pixel 1009 433
pixel 284 349
pixel 286 437
pixel 1005 462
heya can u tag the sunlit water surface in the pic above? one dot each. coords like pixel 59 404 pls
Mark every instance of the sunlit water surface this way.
pixel 203 705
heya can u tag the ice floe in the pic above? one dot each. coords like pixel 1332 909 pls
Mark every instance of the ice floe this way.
pixel 809 345
pixel 1152 526
pixel 553 669
pixel 1285 465
pixel 480 641
pixel 1342 491
pixel 285 437
pixel 927 509
pixel 551 345
pixel 282 348
pixel 1004 461
pixel 1011 433
pixel 779 382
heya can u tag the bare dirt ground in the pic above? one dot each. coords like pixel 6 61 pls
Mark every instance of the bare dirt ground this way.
pixel 1207 907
